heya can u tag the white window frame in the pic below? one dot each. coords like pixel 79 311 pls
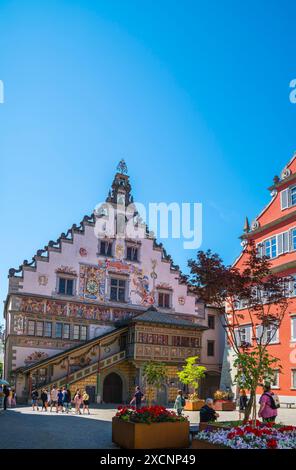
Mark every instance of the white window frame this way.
pixel 165 292
pixel 277 377
pixel 293 339
pixel 293 372
pixel 240 335
pixel 34 330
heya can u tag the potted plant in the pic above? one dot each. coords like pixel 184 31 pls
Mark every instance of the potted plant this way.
pixel 150 427
pixel 191 374
pixel 224 401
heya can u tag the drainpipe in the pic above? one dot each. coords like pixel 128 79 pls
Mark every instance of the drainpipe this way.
pixel 98 375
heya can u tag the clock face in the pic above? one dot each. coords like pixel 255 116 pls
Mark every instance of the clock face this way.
pixel 92 286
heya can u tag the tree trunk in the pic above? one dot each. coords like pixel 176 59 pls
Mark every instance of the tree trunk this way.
pixel 250 405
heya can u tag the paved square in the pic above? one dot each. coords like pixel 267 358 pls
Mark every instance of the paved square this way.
pixel 22 428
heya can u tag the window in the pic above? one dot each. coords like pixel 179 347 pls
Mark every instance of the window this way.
pixel 164 299
pixel 39 328
pixel 31 328
pixel 66 331
pixel 47 329
pixel 117 291
pixel 268 334
pixel 76 331
pixel 275 380
pixel 293 381
pixel 269 247
pixel 106 248
pixel 83 333
pixel 211 322
pixel 66 286
pixel 132 253
pixel 243 335
pixel 211 348
pixel 293 239
pixel 293 196
pixel 293 329
pixel 58 330
pixel 288 197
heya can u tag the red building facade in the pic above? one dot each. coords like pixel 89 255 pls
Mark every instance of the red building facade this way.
pixel 274 233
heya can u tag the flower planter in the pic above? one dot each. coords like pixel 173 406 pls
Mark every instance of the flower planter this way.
pixel 212 426
pixel 195 405
pixel 202 444
pixel 225 405
pixel 166 435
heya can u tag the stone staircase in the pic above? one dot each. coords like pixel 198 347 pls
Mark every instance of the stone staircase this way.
pixel 85 371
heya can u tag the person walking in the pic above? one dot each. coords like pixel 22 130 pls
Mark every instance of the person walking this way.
pixel 35 398
pixel 85 399
pixel 137 398
pixel 78 401
pixel 208 413
pixel 60 400
pixel 269 403
pixel 243 401
pixel 5 392
pixel 67 400
pixel 54 398
pixel 44 399
pixel 179 403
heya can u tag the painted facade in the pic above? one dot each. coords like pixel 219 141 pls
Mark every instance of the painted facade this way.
pixel 80 287
pixel 274 232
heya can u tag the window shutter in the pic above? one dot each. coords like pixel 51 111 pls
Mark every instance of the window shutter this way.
pixel 285 198
pixel 259 247
pixel 237 336
pixel 248 334
pixel 280 243
pixel 259 331
pixel 285 242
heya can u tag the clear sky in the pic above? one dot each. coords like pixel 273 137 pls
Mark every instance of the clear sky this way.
pixel 193 94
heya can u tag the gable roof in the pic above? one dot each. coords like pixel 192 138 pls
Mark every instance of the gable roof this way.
pixel 152 315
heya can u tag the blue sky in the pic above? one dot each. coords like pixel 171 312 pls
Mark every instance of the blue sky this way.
pixel 193 94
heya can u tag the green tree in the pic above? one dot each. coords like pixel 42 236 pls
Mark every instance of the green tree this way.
pixel 155 375
pixel 192 373
pixel 252 294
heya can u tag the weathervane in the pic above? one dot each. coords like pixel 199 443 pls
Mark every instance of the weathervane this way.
pixel 121 167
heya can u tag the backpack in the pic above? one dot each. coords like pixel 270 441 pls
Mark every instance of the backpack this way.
pixel 274 401
pixel 183 401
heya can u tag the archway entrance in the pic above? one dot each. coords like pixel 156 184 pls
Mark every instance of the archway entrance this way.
pixel 112 388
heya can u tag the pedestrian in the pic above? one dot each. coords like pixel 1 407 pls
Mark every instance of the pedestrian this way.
pixel 60 400
pixel 243 401
pixel 179 403
pixel 78 401
pixel 44 399
pixel 67 400
pixel 208 413
pixel 269 403
pixel 137 398
pixel 85 398
pixel 48 397
pixel 54 398
pixel 5 392
pixel 35 398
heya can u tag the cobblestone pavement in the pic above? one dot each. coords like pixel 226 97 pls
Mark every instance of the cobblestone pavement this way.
pixel 22 428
